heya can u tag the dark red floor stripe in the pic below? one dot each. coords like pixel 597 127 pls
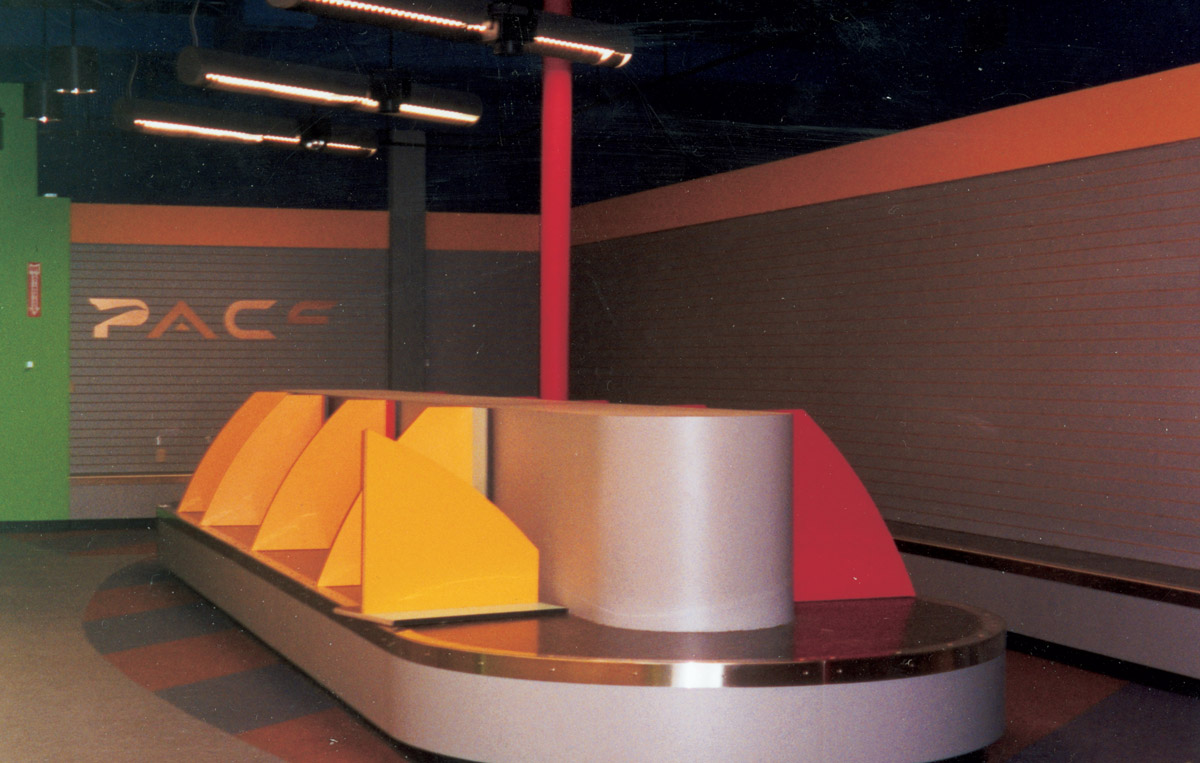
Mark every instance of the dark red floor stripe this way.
pixel 179 647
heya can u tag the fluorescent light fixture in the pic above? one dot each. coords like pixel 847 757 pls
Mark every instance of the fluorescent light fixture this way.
pixel 296 82
pixel 509 28
pixel 169 119
pixel 515 29
pixel 42 103
pixel 399 96
pixel 388 94
pixel 74 70
pixel 459 20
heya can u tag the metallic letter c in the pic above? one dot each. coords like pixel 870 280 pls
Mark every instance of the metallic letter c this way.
pixel 247 304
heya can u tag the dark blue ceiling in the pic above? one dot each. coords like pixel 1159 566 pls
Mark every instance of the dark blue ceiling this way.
pixel 714 85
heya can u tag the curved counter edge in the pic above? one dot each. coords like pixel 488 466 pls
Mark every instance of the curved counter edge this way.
pixel 477 715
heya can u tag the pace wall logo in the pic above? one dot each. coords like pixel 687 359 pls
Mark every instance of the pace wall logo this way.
pixel 182 318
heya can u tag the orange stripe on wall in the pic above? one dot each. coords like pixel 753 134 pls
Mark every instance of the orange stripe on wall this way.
pixel 305 228
pixel 445 231
pixel 1147 111
pixel 227 226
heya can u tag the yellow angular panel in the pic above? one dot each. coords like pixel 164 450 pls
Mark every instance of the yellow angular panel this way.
pixel 224 449
pixel 343 566
pixel 454 437
pixel 431 541
pixel 263 462
pixel 327 477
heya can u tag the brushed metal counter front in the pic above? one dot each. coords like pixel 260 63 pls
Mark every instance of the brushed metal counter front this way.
pixel 885 668
pixel 828 642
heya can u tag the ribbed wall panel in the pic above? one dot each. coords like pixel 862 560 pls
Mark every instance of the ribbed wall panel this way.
pixel 1015 355
pixel 132 395
pixel 483 322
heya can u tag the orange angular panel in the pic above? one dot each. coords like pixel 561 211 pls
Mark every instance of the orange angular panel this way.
pixel 224 449
pixel 432 541
pixel 343 566
pixel 262 463
pixel 843 549
pixel 313 500
pixel 454 437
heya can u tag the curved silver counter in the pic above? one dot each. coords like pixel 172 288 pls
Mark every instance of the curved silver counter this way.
pixel 868 680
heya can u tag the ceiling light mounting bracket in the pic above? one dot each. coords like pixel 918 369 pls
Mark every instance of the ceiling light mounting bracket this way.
pixel 390 89
pixel 511 28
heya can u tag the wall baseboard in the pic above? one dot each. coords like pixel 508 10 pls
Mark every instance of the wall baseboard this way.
pixel 1134 629
pixel 68 525
pixel 123 500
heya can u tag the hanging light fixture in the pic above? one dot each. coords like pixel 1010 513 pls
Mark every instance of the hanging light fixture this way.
pixel 389 93
pixel 515 29
pixel 42 103
pixel 508 28
pixel 174 120
pixel 74 69
pixel 457 20
pixel 400 96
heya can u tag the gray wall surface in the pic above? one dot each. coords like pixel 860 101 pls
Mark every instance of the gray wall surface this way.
pixel 1016 355
pixel 482 330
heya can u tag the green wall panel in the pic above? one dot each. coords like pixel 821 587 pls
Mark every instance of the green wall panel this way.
pixel 34 471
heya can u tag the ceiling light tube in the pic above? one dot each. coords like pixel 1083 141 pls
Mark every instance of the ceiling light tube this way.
pixel 219 70
pixel 507 27
pixel 567 37
pixel 173 120
pixel 158 118
pixel 459 20
pixel 391 94
pixel 399 96
pixel 323 136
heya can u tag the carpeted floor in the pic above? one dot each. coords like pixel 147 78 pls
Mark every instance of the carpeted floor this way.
pixel 107 656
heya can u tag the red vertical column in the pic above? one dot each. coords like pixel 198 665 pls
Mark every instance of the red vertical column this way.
pixel 556 220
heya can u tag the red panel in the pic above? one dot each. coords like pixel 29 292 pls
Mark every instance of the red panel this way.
pixel 843 550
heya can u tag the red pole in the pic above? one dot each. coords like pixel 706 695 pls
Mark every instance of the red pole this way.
pixel 556 220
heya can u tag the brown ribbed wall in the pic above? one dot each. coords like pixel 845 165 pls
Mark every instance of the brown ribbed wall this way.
pixel 142 405
pixel 1015 355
